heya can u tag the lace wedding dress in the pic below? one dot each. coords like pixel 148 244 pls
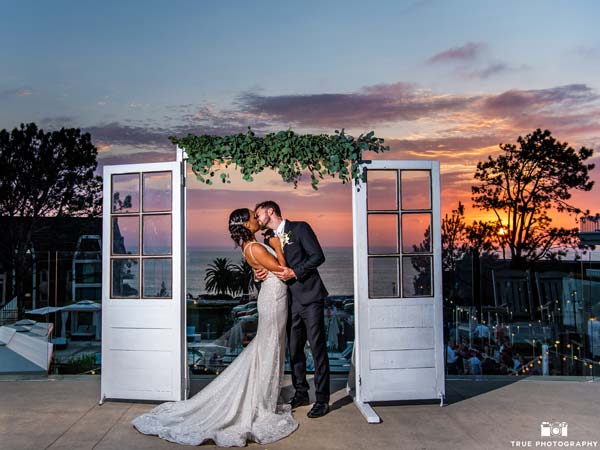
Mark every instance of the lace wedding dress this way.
pixel 241 403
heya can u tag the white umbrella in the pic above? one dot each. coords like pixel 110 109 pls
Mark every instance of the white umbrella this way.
pixel 44 311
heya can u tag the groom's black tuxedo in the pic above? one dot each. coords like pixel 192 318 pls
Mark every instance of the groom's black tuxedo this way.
pixel 304 254
pixel 307 295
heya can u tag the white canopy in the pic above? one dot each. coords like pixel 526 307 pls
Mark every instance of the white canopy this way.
pixel 81 306
pixel 43 311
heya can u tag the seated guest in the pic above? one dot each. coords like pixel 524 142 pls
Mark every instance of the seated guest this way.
pixel 474 364
pixel 519 362
pixel 451 359
pixel 481 331
pixel 489 366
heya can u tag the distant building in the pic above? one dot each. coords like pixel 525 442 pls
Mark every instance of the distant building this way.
pixel 589 230
pixel 64 260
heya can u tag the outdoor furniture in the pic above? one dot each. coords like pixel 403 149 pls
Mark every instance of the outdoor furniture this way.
pixel 340 362
pixel 84 331
pixel 345 354
pixel 59 342
pixel 25 322
pixel 512 290
pixel 191 335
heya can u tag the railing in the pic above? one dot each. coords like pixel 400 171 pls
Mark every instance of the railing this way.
pixel 9 312
pixel 8 316
pixel 590 224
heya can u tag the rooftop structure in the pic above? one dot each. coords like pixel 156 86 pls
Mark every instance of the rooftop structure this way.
pixel 589 230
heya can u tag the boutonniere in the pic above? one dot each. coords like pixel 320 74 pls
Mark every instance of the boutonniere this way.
pixel 285 239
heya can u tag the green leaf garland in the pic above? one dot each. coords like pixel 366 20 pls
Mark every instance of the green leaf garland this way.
pixel 285 152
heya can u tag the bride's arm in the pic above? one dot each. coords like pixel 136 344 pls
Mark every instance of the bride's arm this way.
pixel 275 243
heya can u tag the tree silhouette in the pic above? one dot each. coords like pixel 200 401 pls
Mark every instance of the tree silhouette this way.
pixel 121 205
pixel 459 239
pixel 44 174
pixel 453 238
pixel 422 265
pixel 220 277
pixel 523 184
pixel 244 277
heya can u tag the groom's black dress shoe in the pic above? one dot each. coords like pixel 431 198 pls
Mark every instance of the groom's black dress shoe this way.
pixel 299 401
pixel 319 409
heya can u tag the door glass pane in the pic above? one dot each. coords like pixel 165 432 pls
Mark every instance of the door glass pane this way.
pixel 383 277
pixel 382 190
pixel 157 234
pixel 383 233
pixel 157 191
pixel 416 233
pixel 126 193
pixel 125 278
pixel 126 235
pixel 416 189
pixel 416 276
pixel 157 278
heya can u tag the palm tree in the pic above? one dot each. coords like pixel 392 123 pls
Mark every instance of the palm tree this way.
pixel 244 277
pixel 220 277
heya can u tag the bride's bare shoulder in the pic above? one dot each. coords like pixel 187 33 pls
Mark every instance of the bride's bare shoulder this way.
pixel 254 250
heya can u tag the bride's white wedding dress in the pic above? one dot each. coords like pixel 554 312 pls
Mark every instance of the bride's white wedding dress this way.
pixel 240 404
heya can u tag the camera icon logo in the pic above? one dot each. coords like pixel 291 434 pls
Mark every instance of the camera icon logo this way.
pixel 554 429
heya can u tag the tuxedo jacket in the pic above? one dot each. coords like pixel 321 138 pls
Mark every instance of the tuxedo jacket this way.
pixel 303 255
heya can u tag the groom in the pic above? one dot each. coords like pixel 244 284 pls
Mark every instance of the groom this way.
pixel 306 293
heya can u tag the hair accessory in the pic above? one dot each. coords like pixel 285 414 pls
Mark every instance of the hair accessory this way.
pixel 233 222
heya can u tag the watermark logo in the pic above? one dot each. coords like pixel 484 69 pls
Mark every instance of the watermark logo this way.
pixel 553 435
pixel 554 429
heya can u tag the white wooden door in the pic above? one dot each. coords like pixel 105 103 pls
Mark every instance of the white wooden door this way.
pixel 143 276
pixel 398 282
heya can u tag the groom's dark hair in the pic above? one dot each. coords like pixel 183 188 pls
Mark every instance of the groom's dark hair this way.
pixel 269 204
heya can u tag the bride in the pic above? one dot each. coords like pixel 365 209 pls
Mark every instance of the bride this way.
pixel 240 404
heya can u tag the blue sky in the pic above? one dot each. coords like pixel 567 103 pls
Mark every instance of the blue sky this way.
pixel 437 79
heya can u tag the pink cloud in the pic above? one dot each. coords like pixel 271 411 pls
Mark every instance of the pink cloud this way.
pixel 467 52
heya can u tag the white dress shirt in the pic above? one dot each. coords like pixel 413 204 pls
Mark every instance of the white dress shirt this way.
pixel 280 228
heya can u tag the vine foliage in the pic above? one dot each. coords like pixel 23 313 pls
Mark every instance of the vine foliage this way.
pixel 285 152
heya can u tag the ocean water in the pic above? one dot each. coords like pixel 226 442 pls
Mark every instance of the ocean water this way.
pixel 336 272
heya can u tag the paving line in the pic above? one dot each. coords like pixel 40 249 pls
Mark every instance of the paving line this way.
pixel 112 426
pixel 71 426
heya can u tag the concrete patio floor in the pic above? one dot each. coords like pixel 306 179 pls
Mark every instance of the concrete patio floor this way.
pixel 63 413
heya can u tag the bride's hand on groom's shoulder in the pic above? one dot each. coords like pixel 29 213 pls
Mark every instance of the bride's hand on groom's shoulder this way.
pixel 268 234
pixel 274 242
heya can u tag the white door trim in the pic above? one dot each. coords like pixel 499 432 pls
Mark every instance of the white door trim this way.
pixel 366 389
pixel 158 324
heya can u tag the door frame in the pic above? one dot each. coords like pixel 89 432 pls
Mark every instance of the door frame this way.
pixel 361 282
pixel 176 307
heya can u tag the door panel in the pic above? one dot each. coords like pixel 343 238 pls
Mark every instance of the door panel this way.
pixel 143 351
pixel 397 239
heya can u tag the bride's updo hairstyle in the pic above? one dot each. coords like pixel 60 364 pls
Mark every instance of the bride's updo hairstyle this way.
pixel 239 233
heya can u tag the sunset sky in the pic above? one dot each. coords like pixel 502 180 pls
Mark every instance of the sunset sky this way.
pixel 438 80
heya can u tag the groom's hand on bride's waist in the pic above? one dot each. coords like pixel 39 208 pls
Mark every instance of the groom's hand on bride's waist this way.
pixel 285 274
